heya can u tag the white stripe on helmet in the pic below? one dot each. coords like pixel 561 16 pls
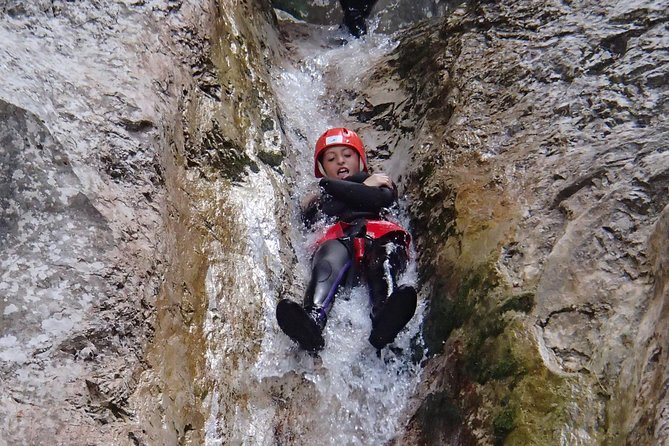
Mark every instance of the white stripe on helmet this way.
pixel 334 139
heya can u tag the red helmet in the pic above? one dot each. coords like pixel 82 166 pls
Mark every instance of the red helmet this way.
pixel 338 137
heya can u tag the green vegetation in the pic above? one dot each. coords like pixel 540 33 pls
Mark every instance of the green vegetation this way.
pixel 503 423
pixel 522 401
pixel 272 159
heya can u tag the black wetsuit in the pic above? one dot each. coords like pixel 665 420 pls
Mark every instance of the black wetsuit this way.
pixel 355 14
pixel 385 258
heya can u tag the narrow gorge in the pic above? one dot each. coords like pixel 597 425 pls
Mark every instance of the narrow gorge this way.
pixel 152 155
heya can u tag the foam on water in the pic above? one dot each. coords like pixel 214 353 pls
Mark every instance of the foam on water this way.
pixel 267 391
pixel 362 395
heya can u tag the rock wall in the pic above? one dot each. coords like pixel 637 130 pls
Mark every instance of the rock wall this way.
pixel 221 167
pixel 85 93
pixel 388 15
pixel 537 187
pixel 109 123
pixel 537 183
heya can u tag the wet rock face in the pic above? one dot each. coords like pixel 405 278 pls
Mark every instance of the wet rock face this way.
pixel 85 106
pixel 539 176
pixel 117 122
pixel 41 195
pixel 391 15
pixel 537 184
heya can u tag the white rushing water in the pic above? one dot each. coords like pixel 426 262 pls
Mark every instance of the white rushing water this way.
pixel 362 395
pixel 346 395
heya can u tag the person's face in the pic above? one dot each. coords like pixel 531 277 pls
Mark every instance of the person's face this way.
pixel 340 162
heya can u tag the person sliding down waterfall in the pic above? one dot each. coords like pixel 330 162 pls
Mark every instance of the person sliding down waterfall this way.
pixel 360 245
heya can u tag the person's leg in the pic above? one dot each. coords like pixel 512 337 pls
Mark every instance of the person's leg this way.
pixel 304 323
pixel 392 306
pixel 385 260
pixel 330 266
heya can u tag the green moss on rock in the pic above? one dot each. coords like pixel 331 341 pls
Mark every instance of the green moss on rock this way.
pixel 272 159
pixel 219 156
pixel 522 401
pixel 490 355
pixel 448 313
pixel 492 347
pixel 503 423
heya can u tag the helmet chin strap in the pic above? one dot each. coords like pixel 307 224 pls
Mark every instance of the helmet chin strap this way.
pixel 321 170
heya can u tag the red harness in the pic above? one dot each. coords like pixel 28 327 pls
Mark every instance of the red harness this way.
pixel 373 229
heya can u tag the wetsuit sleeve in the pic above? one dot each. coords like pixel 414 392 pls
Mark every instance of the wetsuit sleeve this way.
pixel 359 177
pixel 359 196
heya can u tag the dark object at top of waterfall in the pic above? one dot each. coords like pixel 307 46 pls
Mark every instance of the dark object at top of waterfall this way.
pixel 356 13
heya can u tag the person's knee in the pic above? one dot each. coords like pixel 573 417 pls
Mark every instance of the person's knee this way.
pixel 331 256
pixel 322 270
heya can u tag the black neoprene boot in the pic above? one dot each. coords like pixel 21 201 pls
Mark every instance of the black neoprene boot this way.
pixel 393 316
pixel 302 326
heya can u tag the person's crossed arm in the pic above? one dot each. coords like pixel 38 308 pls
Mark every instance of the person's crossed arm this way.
pixel 361 191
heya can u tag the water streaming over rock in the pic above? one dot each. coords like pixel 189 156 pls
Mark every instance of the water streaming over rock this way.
pixel 150 167
pixel 347 394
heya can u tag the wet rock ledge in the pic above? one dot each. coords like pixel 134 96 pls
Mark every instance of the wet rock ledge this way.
pixel 117 119
pixel 538 190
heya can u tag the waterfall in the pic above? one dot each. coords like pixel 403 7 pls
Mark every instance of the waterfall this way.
pixel 268 391
pixel 152 156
